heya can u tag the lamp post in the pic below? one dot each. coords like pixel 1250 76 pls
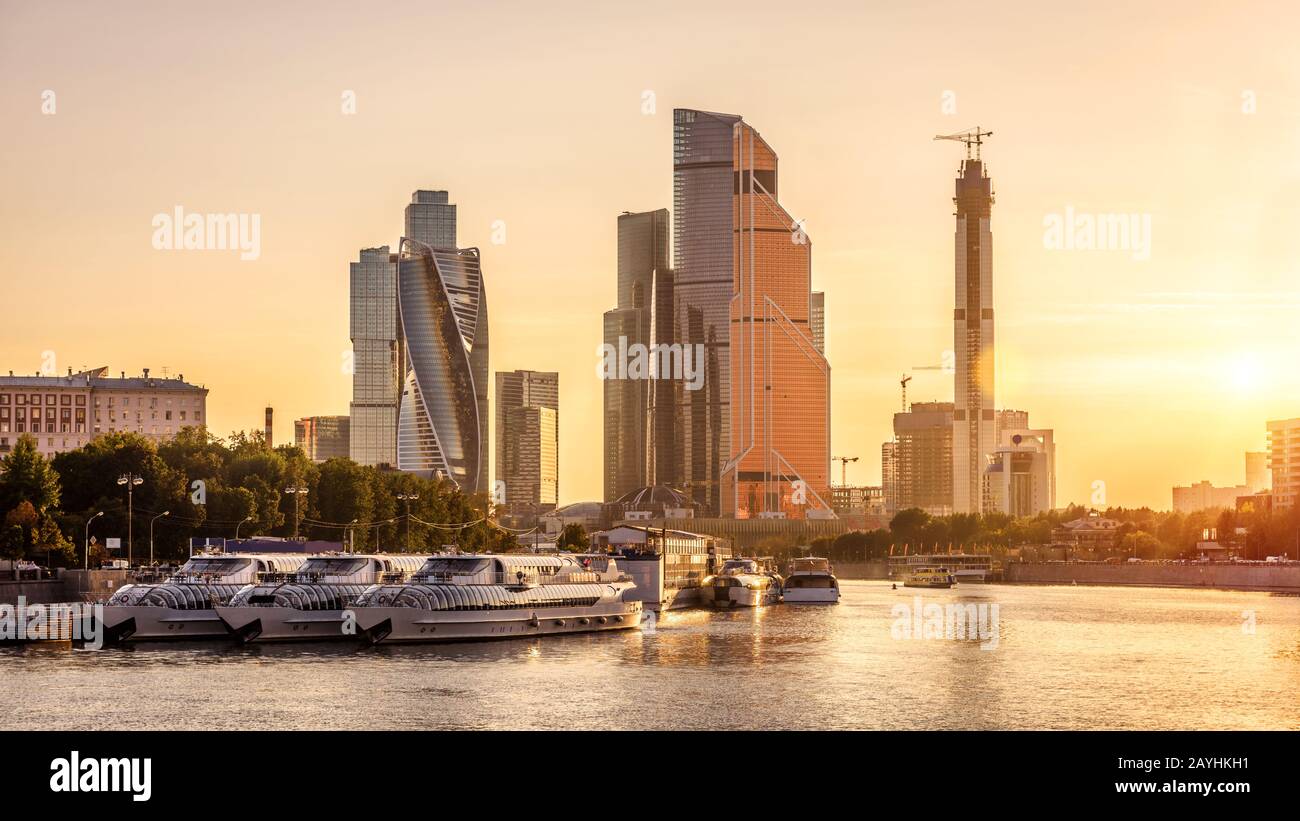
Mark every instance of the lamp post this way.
pixel 241 524
pixel 296 492
pixel 350 536
pixel 131 481
pixel 151 521
pixel 408 498
pixel 88 521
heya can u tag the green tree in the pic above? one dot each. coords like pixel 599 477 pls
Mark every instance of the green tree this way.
pixel 25 476
pixel 574 538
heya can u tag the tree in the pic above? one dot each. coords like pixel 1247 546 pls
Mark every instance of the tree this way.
pixel 574 538
pixel 25 476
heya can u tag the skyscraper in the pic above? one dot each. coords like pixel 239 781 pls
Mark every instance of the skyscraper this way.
pixel 779 398
pixel 1284 461
pixel 974 434
pixel 705 186
pixel 923 457
pixel 376 358
pixel 527 452
pixel 431 219
pixel 640 443
pixel 442 425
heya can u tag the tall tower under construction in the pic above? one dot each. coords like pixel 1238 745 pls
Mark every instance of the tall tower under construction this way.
pixel 974 423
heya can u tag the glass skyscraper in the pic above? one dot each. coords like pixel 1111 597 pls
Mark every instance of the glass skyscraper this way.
pixel 779 398
pixel 442 427
pixel 376 358
pixel 527 437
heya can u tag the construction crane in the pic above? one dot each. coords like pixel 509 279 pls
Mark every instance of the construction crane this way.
pixel 970 137
pixel 844 466
pixel 903 383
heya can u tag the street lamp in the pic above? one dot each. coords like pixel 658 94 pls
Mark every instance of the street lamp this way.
pixel 241 524
pixel 296 492
pixel 88 521
pixel 408 498
pixel 131 481
pixel 151 521
pixel 350 543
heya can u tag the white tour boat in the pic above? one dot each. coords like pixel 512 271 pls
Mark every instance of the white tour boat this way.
pixel 183 607
pixel 811 580
pixel 929 576
pixel 743 583
pixel 498 596
pixel 311 603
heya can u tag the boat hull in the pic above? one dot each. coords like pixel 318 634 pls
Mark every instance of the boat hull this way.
pixel 259 625
pixel 811 595
pixel 131 623
pixel 411 625
pixel 738 596
pixel 932 585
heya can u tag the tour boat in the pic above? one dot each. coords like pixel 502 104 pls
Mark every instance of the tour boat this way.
pixel 183 607
pixel 744 583
pixel 929 576
pixel 500 596
pixel 311 603
pixel 811 580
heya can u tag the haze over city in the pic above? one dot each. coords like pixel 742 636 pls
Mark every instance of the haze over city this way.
pixel 1152 372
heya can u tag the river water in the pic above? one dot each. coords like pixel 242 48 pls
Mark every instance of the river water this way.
pixel 1060 657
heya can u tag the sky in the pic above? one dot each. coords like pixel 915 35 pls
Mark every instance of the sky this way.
pixel 1156 365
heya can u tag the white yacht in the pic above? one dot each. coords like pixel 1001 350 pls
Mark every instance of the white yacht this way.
pixel 497 596
pixel 183 606
pixel 811 580
pixel 743 583
pixel 310 603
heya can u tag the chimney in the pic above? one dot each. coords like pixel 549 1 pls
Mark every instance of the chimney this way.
pixel 269 412
pixel 146 373
pixel 124 374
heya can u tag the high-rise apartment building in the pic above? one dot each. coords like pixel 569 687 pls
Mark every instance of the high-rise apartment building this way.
pixel 66 412
pixel 527 442
pixel 889 476
pixel 779 398
pixel 641 401
pixel 1284 461
pixel 1204 496
pixel 323 437
pixel 974 432
pixel 923 457
pixel 376 358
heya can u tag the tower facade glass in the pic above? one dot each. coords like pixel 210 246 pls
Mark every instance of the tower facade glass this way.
pixel 442 427
pixel 376 358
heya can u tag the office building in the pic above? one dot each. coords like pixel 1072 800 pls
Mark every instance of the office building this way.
pixel 889 475
pixel 1205 496
pixel 323 437
pixel 1021 478
pixel 817 320
pixel 779 399
pixel 376 358
pixel 527 442
pixel 641 397
pixel 442 423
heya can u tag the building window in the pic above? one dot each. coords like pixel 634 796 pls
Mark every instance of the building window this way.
pixel 51 399
pixel 81 401
pixel 65 399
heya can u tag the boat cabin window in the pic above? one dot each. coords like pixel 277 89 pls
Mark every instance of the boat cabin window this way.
pixel 455 566
pixel 332 567
pixel 807 565
pixel 740 566
pixel 221 566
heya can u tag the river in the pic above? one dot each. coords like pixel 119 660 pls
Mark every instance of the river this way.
pixel 1060 657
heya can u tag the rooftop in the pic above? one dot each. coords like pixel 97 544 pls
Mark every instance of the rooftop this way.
pixel 99 378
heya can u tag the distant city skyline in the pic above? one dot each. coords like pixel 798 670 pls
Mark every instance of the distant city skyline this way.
pixel 1180 356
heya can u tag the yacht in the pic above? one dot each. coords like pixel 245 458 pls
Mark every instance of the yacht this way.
pixel 929 576
pixel 182 607
pixel 500 596
pixel 310 604
pixel 811 580
pixel 965 567
pixel 744 583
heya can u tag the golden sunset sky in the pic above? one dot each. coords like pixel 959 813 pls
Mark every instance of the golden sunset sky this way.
pixel 1152 372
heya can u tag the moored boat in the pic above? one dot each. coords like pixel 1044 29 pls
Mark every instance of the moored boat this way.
pixel 811 580
pixel 495 596
pixel 183 607
pixel 743 583
pixel 311 604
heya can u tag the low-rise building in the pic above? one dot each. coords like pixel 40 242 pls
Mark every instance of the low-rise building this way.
pixel 66 412
pixel 323 437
